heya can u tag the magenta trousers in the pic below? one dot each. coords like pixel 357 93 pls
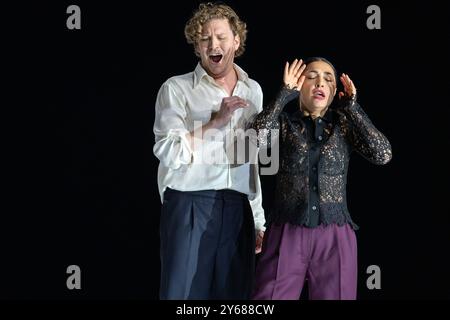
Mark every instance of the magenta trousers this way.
pixel 326 256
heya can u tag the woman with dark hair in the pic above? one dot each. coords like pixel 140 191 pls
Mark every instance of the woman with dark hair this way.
pixel 310 234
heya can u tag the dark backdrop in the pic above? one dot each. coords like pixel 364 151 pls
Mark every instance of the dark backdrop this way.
pixel 82 176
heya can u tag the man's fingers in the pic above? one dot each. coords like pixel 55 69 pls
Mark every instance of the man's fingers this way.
pixel 233 99
pixel 258 247
pixel 238 106
pixel 240 100
pixel 237 103
pixel 259 241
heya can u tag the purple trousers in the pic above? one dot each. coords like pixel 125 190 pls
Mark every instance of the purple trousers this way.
pixel 326 256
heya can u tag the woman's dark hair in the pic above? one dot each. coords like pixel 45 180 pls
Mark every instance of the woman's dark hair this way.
pixel 314 59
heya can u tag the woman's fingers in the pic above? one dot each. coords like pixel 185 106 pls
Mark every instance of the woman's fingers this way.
pixel 344 81
pixel 348 84
pixel 300 69
pixel 298 66
pixel 300 82
pixel 294 67
pixel 353 87
pixel 292 73
pixel 286 69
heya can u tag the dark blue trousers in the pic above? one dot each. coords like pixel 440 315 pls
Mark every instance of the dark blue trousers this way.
pixel 207 245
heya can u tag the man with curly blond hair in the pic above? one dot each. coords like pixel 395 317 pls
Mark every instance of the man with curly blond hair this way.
pixel 211 201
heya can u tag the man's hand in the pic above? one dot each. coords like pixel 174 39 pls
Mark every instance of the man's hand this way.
pixel 220 118
pixel 228 106
pixel 259 241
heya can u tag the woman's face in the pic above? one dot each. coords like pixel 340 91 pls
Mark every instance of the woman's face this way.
pixel 319 87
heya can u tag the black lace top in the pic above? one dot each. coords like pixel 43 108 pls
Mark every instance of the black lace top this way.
pixel 314 156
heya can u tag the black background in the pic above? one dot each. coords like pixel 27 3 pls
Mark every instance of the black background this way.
pixel 81 176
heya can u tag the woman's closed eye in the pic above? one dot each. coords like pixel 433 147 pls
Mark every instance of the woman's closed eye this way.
pixel 315 76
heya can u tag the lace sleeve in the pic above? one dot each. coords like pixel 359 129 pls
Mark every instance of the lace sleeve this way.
pixel 363 135
pixel 267 123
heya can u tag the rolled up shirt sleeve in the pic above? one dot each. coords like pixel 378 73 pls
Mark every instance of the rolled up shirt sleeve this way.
pixel 172 147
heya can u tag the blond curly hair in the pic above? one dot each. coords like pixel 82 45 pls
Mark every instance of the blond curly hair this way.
pixel 209 11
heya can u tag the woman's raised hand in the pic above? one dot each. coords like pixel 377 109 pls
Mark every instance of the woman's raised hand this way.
pixel 293 78
pixel 349 87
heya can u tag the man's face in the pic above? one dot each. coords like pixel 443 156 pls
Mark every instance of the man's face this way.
pixel 319 87
pixel 216 47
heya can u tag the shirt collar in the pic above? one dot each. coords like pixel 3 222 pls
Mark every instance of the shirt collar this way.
pixel 300 115
pixel 200 73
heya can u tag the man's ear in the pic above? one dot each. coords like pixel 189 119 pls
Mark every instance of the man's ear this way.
pixel 197 53
pixel 237 42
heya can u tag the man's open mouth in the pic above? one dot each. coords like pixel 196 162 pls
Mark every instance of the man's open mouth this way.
pixel 216 58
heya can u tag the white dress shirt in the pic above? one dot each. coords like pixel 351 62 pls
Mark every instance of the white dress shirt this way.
pixel 185 103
